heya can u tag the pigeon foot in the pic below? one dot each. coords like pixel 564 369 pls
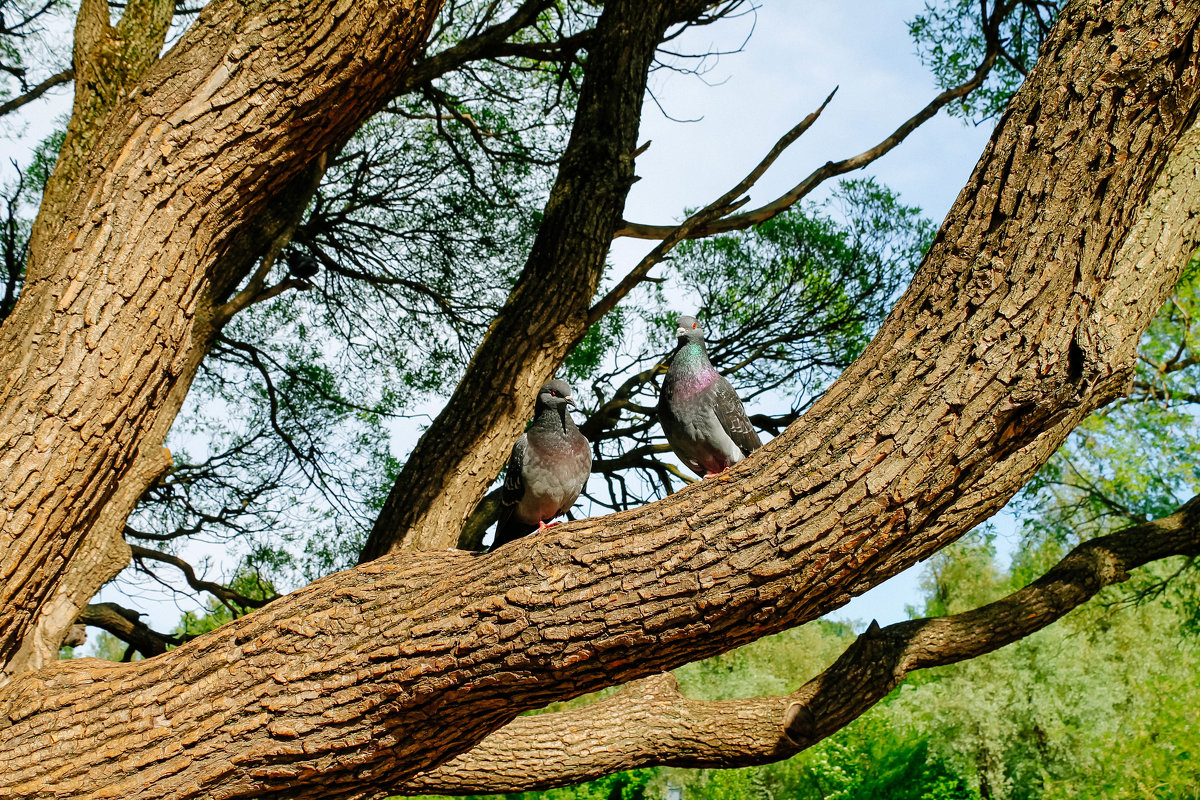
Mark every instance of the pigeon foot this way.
pixel 543 525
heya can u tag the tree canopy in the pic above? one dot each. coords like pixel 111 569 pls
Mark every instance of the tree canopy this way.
pixel 275 241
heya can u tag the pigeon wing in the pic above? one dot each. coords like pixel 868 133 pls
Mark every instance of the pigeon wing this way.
pixel 732 416
pixel 514 481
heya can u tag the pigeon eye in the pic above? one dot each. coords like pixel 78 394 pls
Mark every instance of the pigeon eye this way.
pixel 695 324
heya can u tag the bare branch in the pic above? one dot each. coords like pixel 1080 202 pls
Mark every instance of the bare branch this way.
pixel 65 76
pixel 718 208
pixel 229 598
pixel 830 169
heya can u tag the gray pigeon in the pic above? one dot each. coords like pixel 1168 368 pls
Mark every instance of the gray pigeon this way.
pixel 548 467
pixel 700 413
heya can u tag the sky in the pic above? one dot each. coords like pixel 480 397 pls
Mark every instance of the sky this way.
pixel 796 54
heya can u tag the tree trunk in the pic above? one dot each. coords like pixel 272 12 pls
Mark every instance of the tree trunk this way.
pixel 1025 316
pixel 1021 320
pixel 224 123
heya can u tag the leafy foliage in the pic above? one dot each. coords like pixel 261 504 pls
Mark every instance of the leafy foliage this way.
pixel 27 51
pixel 951 42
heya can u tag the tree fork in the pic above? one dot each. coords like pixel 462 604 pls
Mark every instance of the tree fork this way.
pixel 462 451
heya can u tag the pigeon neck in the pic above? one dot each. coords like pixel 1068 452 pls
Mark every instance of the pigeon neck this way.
pixel 546 418
pixel 693 356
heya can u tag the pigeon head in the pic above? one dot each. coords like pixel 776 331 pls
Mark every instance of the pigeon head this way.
pixel 555 394
pixel 688 329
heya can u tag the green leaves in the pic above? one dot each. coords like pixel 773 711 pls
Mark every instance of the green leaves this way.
pixel 950 40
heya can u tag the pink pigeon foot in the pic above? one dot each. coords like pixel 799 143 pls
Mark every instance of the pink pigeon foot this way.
pixel 543 525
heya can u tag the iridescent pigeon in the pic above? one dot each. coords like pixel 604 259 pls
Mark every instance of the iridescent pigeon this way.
pixel 548 467
pixel 700 413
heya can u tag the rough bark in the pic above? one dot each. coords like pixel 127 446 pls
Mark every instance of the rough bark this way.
pixel 651 723
pixel 164 198
pixel 461 453
pixel 102 552
pixel 1024 317
pixel 108 61
pixel 98 561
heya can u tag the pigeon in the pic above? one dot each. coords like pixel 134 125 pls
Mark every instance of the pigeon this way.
pixel 699 411
pixel 548 467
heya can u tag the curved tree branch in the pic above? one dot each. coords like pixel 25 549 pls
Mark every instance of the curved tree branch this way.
pixel 126 626
pixel 230 598
pixel 720 207
pixel 189 198
pixel 461 453
pixel 650 723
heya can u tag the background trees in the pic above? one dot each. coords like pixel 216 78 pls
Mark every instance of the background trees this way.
pixel 377 261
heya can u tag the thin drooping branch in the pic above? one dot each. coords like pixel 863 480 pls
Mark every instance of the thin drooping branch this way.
pixel 65 76
pixel 650 723
pixel 831 169
pixel 235 601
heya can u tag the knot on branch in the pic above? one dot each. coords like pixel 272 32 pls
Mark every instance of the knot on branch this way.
pixel 800 724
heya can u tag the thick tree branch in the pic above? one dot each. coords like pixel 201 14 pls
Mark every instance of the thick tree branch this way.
pixel 465 447
pixel 650 723
pixel 1019 323
pixel 108 62
pixel 116 317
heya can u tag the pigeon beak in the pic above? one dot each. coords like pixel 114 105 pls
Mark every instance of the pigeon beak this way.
pixel 571 402
pixel 681 331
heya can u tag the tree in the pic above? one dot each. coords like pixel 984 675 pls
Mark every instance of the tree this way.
pixel 1024 317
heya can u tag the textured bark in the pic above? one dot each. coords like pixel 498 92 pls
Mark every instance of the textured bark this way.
pixel 1024 317
pixel 107 63
pixel 651 723
pixel 101 556
pixel 163 201
pixel 463 450
pixel 1021 320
